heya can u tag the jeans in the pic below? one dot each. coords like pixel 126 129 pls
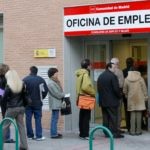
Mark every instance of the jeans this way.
pixel 54 121
pixel 37 112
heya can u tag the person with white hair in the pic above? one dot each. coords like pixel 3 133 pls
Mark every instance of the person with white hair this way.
pixel 13 96
pixel 118 72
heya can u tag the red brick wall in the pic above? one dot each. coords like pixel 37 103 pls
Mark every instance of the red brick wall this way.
pixel 30 25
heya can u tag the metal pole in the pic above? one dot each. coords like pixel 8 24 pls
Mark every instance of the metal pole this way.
pixel 107 131
pixel 1 132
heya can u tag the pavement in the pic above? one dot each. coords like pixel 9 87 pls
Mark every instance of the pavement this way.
pixel 71 141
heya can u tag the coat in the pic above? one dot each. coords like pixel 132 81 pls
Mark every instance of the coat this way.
pixel 135 91
pixel 55 95
pixel 33 84
pixel 83 83
pixel 108 89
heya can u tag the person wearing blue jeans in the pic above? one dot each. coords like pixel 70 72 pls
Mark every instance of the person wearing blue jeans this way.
pixel 54 121
pixel 37 90
pixel 55 95
pixel 37 112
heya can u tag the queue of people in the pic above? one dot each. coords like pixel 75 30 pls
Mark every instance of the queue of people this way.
pixel 114 86
pixel 127 86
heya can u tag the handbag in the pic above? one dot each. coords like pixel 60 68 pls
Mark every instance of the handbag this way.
pixel 86 102
pixel 65 106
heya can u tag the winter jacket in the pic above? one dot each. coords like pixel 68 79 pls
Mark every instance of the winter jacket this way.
pixel 13 99
pixel 108 89
pixel 33 86
pixel 135 91
pixel 55 95
pixel 83 83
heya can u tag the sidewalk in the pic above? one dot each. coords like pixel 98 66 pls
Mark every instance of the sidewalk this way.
pixel 70 141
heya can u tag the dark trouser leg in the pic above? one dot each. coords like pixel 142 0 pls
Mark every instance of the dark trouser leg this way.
pixel 84 122
pixel 127 114
pixel 105 119
pixel 113 118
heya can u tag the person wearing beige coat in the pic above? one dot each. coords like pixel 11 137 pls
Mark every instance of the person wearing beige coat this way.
pixel 136 93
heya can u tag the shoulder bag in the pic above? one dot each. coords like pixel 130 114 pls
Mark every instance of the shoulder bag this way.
pixel 85 101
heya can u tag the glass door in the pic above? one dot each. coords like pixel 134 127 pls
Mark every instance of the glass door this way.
pixel 98 53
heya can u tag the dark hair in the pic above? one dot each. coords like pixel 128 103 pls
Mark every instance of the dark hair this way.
pixel 33 70
pixel 3 69
pixel 52 71
pixel 85 63
pixel 109 65
pixel 129 62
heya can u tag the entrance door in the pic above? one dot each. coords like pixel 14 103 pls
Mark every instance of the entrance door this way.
pixel 98 53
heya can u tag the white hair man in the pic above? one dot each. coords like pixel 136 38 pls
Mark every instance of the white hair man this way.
pixel 118 72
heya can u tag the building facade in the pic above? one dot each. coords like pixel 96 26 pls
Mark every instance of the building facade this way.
pixel 34 33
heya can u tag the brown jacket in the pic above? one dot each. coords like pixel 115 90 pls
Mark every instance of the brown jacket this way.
pixel 135 91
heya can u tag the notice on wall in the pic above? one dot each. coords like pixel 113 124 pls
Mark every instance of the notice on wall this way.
pixel 129 17
pixel 45 52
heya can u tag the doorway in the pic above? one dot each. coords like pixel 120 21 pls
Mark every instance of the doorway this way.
pixel 100 53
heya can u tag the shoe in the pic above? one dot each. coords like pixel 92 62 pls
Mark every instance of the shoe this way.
pixel 138 133
pixel 82 138
pixel 31 138
pixel 121 131
pixel 10 141
pixel 85 138
pixel 22 148
pixel 133 134
pixel 40 139
pixel 118 136
pixel 59 136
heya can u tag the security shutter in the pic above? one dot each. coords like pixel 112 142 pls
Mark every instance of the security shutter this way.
pixel 42 71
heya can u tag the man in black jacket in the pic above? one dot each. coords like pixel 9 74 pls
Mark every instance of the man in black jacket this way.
pixel 109 92
pixel 37 90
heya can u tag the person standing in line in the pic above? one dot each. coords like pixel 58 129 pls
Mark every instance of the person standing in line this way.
pixel 118 72
pixel 13 97
pixel 84 86
pixel 37 90
pixel 129 65
pixel 55 98
pixel 136 93
pixel 108 88
pixel 3 69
